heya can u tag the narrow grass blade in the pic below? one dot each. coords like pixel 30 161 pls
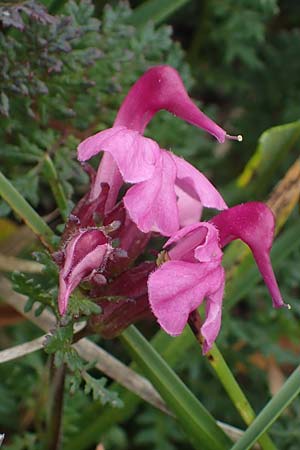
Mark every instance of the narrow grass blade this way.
pixel 56 187
pixel 273 146
pixel 226 378
pixel 199 425
pixel 271 411
pixel 21 207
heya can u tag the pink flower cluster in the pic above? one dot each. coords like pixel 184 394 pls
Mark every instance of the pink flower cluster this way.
pixel 165 196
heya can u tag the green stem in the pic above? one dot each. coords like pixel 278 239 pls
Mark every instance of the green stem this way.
pixel 25 211
pixel 228 381
pixel 56 402
pixel 56 187
pixel 199 425
pixel 271 411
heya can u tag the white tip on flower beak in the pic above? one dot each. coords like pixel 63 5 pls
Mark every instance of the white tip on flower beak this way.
pixel 239 137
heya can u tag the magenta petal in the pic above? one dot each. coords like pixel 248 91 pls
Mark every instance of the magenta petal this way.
pixel 108 173
pixel 76 249
pixel 84 253
pixel 253 223
pixel 195 243
pixel 209 251
pixel 195 184
pixel 152 203
pixel 177 288
pixel 211 327
pixel 93 145
pixel 189 208
pixel 63 295
pixel 197 230
pixel 181 245
pixel 134 154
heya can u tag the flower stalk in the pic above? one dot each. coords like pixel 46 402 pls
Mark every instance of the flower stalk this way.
pixel 56 402
pixel 231 386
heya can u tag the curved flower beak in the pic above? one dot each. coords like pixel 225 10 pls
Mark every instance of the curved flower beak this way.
pixel 162 88
pixel 253 223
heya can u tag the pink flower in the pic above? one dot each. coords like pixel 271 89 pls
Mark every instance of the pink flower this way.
pixel 194 271
pixel 84 254
pixel 159 177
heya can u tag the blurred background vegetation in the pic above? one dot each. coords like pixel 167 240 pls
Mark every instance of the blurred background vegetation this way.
pixel 65 68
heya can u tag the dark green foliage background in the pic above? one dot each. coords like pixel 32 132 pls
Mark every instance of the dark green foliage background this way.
pixel 62 78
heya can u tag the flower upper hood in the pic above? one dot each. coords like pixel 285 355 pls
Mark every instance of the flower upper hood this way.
pixel 135 159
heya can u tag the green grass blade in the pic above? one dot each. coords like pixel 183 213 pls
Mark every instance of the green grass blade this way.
pixel 23 209
pixel 273 146
pixel 235 393
pixel 199 425
pixel 154 10
pixel 271 411
pixel 56 187
pixel 226 378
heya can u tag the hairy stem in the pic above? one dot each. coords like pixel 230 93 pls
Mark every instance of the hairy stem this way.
pixel 84 332
pixel 56 402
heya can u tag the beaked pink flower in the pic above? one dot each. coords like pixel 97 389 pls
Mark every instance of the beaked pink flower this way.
pixel 194 272
pixel 133 158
